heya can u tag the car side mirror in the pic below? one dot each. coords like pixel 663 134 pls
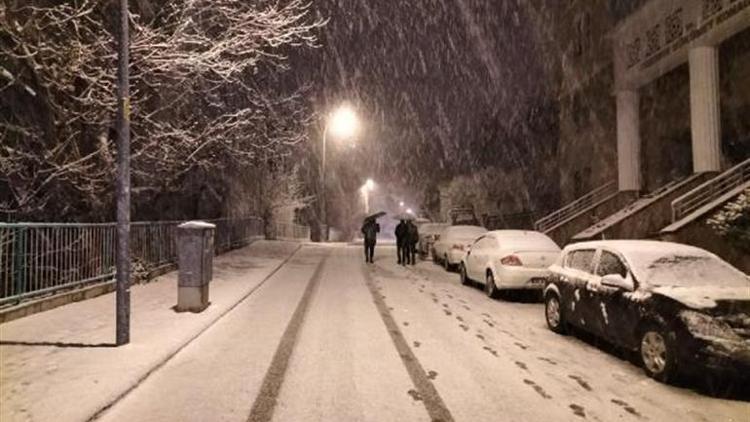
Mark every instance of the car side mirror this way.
pixel 618 282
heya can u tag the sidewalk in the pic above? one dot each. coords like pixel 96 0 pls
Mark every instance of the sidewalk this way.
pixel 61 365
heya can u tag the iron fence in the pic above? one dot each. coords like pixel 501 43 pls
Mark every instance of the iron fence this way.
pixel 44 258
pixel 289 231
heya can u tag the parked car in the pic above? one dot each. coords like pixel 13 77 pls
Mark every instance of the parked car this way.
pixel 453 242
pixel 681 308
pixel 509 259
pixel 428 233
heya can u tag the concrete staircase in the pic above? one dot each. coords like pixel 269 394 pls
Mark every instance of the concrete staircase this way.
pixel 690 211
pixel 644 217
pixel 565 222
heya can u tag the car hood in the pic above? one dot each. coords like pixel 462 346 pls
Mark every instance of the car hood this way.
pixel 705 297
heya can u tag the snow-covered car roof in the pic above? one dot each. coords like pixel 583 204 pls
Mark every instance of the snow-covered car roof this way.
pixel 631 247
pixel 432 228
pixel 666 263
pixel 523 237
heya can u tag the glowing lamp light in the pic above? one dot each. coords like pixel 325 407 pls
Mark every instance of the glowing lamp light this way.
pixel 343 122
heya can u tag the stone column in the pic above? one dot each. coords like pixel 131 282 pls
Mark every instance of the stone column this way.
pixel 628 141
pixel 705 120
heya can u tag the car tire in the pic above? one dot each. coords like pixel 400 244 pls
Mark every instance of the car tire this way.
pixel 490 288
pixel 553 314
pixel 465 280
pixel 657 353
pixel 446 263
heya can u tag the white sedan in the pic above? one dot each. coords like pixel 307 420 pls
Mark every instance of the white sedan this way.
pixel 451 245
pixel 509 259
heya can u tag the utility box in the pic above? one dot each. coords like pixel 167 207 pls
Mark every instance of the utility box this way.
pixel 195 250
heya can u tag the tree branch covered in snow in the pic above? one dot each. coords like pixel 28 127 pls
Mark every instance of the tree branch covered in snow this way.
pixel 204 93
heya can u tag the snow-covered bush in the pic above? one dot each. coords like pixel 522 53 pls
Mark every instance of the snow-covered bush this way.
pixel 732 221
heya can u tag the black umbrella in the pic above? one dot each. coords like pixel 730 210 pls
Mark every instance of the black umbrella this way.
pixel 375 216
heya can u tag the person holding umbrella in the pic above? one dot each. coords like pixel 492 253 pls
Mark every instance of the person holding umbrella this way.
pixel 370 229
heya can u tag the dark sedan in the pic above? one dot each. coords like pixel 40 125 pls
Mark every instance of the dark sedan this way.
pixel 682 308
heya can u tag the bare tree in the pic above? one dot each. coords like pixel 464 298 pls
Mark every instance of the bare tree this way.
pixel 203 77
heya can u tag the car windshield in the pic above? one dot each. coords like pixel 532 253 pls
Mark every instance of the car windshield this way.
pixel 686 270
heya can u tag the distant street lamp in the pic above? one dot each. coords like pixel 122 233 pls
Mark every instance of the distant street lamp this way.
pixel 368 187
pixel 409 211
pixel 342 123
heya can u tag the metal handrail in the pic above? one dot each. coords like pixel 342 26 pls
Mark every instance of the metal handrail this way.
pixel 581 204
pixel 710 190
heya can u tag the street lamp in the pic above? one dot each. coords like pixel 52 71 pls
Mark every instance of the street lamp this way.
pixel 368 187
pixel 342 123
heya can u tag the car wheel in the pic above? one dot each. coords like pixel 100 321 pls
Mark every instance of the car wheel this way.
pixel 657 354
pixel 490 288
pixel 553 313
pixel 465 280
pixel 446 263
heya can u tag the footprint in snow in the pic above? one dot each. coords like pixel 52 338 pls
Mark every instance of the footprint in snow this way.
pixel 447 312
pixel 538 388
pixel 432 375
pixel 628 408
pixel 464 327
pixel 521 345
pixel 578 410
pixel 585 385
pixel 415 395
pixel 417 344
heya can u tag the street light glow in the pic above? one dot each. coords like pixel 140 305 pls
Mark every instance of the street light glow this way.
pixel 369 184
pixel 343 122
pixel 409 211
pixel 401 204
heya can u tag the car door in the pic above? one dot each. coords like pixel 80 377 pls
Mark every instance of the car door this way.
pixel 476 258
pixel 578 268
pixel 618 313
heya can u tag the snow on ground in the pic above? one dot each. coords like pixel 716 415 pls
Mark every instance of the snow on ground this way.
pixel 497 357
pixel 484 360
pixel 59 365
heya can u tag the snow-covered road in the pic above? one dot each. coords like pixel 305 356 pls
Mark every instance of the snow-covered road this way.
pixel 328 338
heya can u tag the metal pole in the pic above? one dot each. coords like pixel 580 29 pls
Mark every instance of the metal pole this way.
pixel 324 234
pixel 123 183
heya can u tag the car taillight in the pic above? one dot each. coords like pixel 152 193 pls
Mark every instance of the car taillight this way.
pixel 459 247
pixel 511 260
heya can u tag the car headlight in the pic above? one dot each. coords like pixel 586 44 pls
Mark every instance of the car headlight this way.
pixel 707 327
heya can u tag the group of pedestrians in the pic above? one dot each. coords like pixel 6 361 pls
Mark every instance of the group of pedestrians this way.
pixel 407 237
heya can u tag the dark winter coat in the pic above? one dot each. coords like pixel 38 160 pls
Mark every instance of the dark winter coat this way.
pixel 413 233
pixel 402 231
pixel 370 230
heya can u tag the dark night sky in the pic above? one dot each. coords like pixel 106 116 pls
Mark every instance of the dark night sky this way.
pixel 436 82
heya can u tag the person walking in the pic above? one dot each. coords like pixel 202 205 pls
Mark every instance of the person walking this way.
pixel 402 232
pixel 370 230
pixel 412 240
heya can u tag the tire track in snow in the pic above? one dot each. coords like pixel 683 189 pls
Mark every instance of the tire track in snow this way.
pixel 265 402
pixel 425 389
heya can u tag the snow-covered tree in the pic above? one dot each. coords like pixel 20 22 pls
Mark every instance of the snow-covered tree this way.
pixel 205 95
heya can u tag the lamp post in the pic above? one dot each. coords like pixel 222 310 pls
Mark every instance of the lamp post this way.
pixel 122 260
pixel 343 123
pixel 366 189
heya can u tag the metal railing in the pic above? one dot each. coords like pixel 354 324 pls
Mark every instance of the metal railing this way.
pixel 711 190
pixel 290 231
pixel 42 258
pixel 579 205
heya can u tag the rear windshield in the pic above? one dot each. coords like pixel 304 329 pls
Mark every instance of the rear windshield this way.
pixel 528 242
pixel 465 232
